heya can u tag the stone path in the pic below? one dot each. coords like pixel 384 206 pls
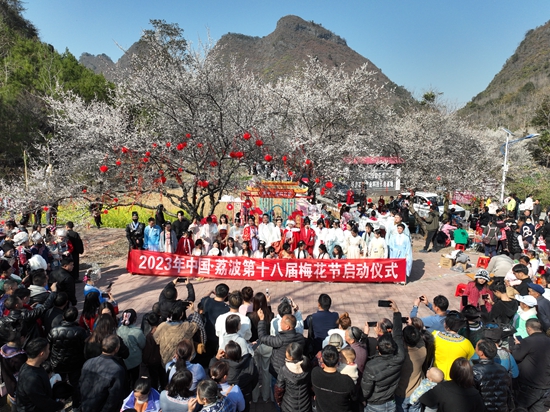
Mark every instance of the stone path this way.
pixel 359 300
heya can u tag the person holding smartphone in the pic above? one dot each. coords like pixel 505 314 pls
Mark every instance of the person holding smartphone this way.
pixel 478 291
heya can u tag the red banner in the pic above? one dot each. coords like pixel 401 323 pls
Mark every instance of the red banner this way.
pixel 144 262
pixel 277 193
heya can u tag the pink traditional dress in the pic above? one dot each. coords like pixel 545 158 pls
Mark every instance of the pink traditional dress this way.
pixel 250 233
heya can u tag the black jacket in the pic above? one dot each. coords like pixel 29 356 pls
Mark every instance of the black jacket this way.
pixel 243 373
pixel 67 347
pixel 279 344
pixel 180 227
pixel 382 372
pixel 135 236
pixel 65 283
pixel 34 392
pixel 24 320
pixel 296 388
pixel 494 383
pixel 533 358
pixel 102 384
pixel 166 304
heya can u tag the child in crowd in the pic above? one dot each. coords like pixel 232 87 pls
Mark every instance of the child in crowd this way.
pixel 433 377
pixel 347 364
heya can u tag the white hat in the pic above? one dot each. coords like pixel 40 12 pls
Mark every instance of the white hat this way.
pixel 37 262
pixel 527 299
pixel 20 238
pixel 36 237
pixel 61 233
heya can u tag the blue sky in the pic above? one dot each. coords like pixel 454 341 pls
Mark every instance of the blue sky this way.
pixel 455 47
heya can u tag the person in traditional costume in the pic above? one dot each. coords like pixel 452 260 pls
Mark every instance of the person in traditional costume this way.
pixel 308 236
pixel 250 234
pixel 399 246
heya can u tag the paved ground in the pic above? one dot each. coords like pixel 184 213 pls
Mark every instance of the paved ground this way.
pixel 359 300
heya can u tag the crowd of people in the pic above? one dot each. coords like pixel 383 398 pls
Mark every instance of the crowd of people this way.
pixel 226 350
pixel 365 232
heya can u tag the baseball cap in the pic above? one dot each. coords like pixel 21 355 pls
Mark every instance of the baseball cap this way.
pixel 527 299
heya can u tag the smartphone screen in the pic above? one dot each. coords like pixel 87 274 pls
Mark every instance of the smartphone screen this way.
pixel 372 324
pixel 464 300
pixel 384 303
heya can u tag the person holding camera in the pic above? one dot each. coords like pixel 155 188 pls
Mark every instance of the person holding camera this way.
pixel 383 372
pixel 439 307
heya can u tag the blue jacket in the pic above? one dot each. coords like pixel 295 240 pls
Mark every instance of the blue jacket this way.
pixel 152 237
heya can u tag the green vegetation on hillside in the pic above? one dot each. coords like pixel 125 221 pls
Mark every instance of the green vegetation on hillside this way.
pixel 31 70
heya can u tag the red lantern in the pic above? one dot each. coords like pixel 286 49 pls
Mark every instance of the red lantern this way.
pixel 180 170
pixel 103 169
pixel 124 149
pixel 229 206
pixel 116 199
pixel 290 173
pixel 105 211
pixel 323 190
pixel 161 172
pixel 308 162
pixel 259 143
pixel 45 208
pixel 454 202
pixel 84 190
pixel 329 185
pixel 268 158
pixel 199 145
pixel 154 145
pixel 369 200
pixel 248 203
pixel 213 163
pixel 145 159
pixel 188 135
pixel 118 162
pixel 317 180
pixel 181 146
pixel 239 155
pixel 163 179
pixel 168 144
pixel 246 136
pixel 147 154
pixel 339 205
pixel 284 159
pixel 438 178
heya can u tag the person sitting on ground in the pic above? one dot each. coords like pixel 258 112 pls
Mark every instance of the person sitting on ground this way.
pixel 320 322
pixel 521 272
pixel 439 307
pixel 143 397
pixel 503 307
pixel 543 305
pixel 478 291
pixel 527 310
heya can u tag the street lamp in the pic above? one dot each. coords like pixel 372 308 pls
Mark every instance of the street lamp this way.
pixel 504 151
